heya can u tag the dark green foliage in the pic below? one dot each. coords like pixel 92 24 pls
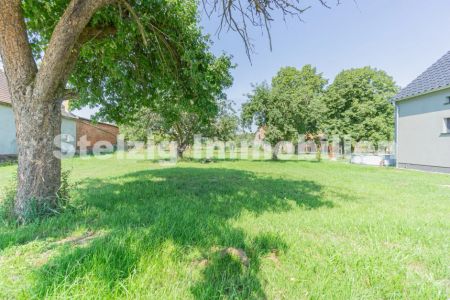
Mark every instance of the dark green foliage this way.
pixel 174 72
pixel 180 121
pixel 358 105
pixel 226 123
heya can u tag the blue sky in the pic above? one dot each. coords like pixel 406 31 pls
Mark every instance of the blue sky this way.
pixel 402 37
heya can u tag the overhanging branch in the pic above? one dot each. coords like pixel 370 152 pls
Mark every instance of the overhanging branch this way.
pixel 137 20
pixel 15 50
pixel 239 15
pixel 62 46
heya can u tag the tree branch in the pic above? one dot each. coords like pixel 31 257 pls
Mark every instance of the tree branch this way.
pixel 70 94
pixel 238 15
pixel 136 19
pixel 15 50
pixel 88 34
pixel 62 47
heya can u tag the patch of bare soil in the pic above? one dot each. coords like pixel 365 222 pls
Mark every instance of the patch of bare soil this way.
pixel 80 240
pixel 42 258
pixel 273 256
pixel 201 262
pixel 237 253
pixel 234 252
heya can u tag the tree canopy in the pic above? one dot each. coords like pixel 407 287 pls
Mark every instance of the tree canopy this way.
pixel 156 48
pixel 284 107
pixel 185 117
pixel 226 124
pixel 358 105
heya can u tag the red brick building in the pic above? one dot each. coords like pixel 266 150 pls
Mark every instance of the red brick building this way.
pixel 89 133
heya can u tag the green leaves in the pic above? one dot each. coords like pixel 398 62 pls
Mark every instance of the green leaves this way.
pixel 189 104
pixel 284 108
pixel 358 105
pixel 355 104
pixel 157 57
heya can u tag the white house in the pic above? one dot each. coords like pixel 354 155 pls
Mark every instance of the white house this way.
pixel 423 120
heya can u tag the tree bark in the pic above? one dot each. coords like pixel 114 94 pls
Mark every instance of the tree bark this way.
pixel 180 150
pixel 318 143
pixel 275 151
pixel 39 170
pixel 58 59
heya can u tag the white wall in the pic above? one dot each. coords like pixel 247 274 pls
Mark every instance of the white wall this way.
pixel 69 132
pixel 421 137
pixel 8 131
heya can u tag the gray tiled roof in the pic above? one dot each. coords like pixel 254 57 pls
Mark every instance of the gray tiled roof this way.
pixel 5 96
pixel 435 77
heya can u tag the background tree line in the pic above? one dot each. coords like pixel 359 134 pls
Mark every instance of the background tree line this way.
pixel 299 102
pixel 355 105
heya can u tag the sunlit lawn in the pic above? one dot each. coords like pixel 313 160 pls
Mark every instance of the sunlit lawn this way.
pixel 143 230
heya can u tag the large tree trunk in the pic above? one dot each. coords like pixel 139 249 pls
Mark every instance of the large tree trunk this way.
pixel 318 143
pixel 181 148
pixel 276 151
pixel 34 92
pixel 39 170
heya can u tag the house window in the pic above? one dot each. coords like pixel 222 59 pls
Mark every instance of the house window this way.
pixel 448 101
pixel 447 125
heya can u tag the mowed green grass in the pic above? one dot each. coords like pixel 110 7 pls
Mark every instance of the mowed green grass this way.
pixel 142 230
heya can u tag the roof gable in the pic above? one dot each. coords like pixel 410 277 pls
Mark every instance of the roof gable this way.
pixel 434 78
pixel 5 97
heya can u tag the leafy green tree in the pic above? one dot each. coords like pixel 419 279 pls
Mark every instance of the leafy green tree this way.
pixel 181 129
pixel 226 123
pixel 357 105
pixel 226 127
pixel 183 119
pixel 221 125
pixel 115 54
pixel 145 122
pixel 284 109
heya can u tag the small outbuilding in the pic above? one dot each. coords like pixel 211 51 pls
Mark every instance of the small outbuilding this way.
pixel 422 114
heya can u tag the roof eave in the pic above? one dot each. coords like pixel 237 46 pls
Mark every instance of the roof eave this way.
pixel 421 94
pixel 65 116
pixel 5 103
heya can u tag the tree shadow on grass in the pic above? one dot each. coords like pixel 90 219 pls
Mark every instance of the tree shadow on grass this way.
pixel 226 277
pixel 191 208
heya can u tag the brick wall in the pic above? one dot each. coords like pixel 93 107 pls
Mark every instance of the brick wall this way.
pixel 95 132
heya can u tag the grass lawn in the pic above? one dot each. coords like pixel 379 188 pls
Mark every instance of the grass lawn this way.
pixel 327 230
